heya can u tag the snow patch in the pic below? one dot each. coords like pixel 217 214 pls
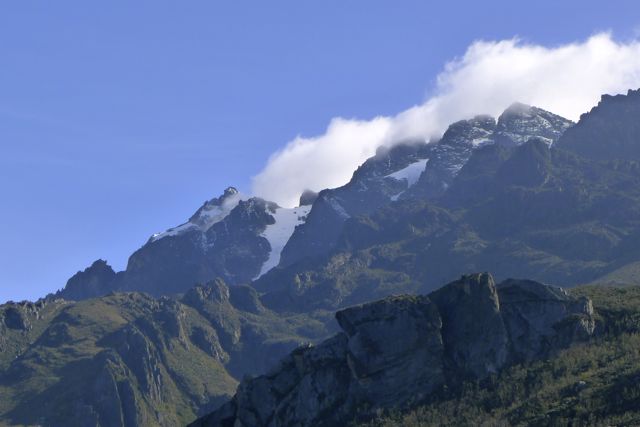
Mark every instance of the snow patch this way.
pixel 337 207
pixel 174 231
pixel 411 173
pixel 278 233
pixel 395 196
pixel 477 142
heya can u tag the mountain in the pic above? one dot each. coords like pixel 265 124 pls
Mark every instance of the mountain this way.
pixel 244 282
pixel 609 131
pixel 414 171
pixel 228 237
pixel 134 360
pixel 398 352
pixel 241 239
pixel 531 210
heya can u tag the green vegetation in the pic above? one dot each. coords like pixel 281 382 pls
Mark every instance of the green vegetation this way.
pixel 130 359
pixel 591 384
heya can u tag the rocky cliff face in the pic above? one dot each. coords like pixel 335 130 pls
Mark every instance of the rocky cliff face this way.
pixel 611 130
pixel 395 352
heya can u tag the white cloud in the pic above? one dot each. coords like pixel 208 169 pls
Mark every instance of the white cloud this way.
pixel 566 79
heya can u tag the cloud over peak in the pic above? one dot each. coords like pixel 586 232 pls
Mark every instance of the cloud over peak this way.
pixel 567 80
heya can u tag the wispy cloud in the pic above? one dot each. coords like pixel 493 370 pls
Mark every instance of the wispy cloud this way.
pixel 566 79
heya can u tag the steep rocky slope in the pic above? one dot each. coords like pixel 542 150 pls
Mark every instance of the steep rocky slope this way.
pixel 609 131
pixel 239 239
pixel 525 210
pixel 130 359
pixel 414 171
pixel 228 237
pixel 396 352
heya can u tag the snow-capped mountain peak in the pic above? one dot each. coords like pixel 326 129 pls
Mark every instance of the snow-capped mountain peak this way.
pixel 520 122
pixel 211 212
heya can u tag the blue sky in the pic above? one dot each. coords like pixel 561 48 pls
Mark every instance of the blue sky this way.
pixel 118 119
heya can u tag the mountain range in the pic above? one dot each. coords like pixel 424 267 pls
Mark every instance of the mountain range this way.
pixel 248 289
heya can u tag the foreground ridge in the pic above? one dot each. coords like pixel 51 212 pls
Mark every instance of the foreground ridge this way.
pixel 395 352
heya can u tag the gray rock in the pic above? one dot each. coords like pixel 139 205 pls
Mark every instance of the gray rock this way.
pixel 474 335
pixel 397 351
pixel 540 318
pixel 93 281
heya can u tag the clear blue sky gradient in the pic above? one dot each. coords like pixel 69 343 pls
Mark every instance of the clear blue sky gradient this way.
pixel 119 118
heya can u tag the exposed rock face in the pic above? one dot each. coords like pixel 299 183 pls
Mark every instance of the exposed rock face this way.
pixel 447 157
pixel 308 197
pixel 93 281
pixel 395 352
pixel 394 349
pixel 539 318
pixel 473 331
pixel 310 386
pixel 20 316
pixel 611 130
pixel 521 122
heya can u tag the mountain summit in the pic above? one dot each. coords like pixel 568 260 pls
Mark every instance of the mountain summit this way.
pixel 240 239
pixel 244 282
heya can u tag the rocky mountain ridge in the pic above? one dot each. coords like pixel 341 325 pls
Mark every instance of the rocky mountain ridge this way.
pixel 414 171
pixel 486 197
pixel 395 352
pixel 228 237
pixel 526 210
pixel 241 239
pixel 128 359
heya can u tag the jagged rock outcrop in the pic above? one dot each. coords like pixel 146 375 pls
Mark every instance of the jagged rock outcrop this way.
pixel 473 330
pixel 93 281
pixel 447 157
pixel 308 197
pixel 393 353
pixel 611 130
pixel 539 318
pixel 394 349
pixel 521 122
